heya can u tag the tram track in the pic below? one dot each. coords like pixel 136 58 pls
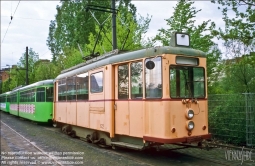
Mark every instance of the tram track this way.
pixel 32 144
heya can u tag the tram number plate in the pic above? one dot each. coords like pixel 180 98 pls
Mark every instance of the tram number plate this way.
pixel 194 139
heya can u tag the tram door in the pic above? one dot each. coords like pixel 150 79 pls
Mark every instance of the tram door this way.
pixel 121 105
pixel 96 99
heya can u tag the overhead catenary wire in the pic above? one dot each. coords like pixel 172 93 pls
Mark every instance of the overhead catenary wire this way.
pixel 29 18
pixel 12 16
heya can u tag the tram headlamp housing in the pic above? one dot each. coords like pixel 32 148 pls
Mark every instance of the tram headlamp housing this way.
pixel 189 114
pixel 190 125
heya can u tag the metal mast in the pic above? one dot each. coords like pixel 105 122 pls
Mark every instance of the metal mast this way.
pixel 114 36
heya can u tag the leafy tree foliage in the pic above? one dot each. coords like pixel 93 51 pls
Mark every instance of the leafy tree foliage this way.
pixel 45 70
pixel 33 57
pixel 72 25
pixel 201 36
pixel 129 31
pixel 239 43
pixel 74 28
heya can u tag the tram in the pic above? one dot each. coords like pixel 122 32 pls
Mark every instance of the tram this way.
pixel 138 99
pixel 5 102
pixel 33 102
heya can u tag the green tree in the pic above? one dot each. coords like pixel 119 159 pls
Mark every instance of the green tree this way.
pixel 72 25
pixel 239 43
pixel 45 70
pixel 129 31
pixel 201 36
pixel 33 57
pixel 68 54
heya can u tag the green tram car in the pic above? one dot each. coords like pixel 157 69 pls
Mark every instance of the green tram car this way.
pixel 33 102
pixel 5 102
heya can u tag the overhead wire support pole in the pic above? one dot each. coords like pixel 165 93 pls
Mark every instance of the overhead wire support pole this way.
pixel 27 66
pixel 112 10
pixel 114 36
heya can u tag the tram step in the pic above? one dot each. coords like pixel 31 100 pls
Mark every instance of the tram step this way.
pixel 128 145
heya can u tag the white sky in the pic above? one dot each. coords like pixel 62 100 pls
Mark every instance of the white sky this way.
pixel 30 24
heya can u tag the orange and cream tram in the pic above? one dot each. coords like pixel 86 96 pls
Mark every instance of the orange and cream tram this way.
pixel 138 99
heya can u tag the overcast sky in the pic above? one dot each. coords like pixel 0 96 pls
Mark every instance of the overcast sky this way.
pixel 31 19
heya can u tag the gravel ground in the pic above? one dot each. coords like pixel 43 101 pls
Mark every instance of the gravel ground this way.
pixel 50 140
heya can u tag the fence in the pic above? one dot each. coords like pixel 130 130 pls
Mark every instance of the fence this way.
pixel 232 118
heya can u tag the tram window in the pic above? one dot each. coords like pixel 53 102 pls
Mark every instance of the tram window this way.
pixel 2 99
pixel 96 82
pixel 62 90
pixel 82 86
pixel 8 99
pixel 49 94
pixel 136 80
pixel 13 98
pixel 23 97
pixel 123 81
pixel 32 95
pixel 187 82
pixel 71 88
pixel 40 94
pixel 153 79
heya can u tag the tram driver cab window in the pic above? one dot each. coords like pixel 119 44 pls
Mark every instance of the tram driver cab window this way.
pixel 153 79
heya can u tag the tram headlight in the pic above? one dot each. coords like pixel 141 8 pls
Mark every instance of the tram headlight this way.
pixel 189 114
pixel 190 125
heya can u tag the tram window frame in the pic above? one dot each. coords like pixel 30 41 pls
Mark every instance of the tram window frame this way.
pixel 62 89
pixel 191 86
pixel 97 89
pixel 124 95
pixel 134 88
pixel 159 86
pixel 82 86
pixel 40 94
pixel 71 88
pixel 13 98
pixel 49 93
pixel 32 95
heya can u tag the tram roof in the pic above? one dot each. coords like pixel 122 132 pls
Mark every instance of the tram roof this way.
pixel 115 58
pixel 39 83
pixel 5 93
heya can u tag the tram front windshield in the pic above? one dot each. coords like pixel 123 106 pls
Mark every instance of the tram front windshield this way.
pixel 187 82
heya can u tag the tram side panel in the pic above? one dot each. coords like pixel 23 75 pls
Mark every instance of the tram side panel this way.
pixel 92 107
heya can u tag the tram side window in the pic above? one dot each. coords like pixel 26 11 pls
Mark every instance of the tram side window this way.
pixel 27 96
pixel 71 88
pixel 153 79
pixel 8 99
pixel 31 95
pixel 136 80
pixel 40 94
pixel 96 82
pixel 2 99
pixel 62 90
pixel 49 94
pixel 82 86
pixel 123 83
pixel 22 97
pixel 13 98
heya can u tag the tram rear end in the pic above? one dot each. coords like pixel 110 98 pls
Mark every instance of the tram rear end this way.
pixel 181 116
